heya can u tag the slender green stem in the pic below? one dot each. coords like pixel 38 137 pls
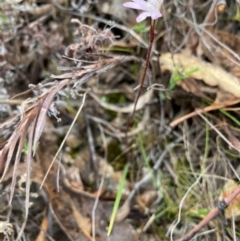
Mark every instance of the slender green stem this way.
pixel 151 38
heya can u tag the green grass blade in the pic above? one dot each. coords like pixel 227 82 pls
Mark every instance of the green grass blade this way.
pixel 118 198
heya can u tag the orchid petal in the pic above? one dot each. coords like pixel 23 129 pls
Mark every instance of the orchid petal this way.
pixel 156 15
pixel 135 6
pixel 150 8
pixel 142 16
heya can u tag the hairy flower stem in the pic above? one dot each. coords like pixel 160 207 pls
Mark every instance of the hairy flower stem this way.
pixel 151 39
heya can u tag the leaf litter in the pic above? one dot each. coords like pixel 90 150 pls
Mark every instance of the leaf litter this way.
pixel 53 54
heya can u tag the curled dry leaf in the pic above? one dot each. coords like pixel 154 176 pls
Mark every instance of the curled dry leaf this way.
pixel 210 74
pixel 143 100
pixel 146 199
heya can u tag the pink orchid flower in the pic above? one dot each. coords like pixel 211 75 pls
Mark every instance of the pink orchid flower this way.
pixel 151 8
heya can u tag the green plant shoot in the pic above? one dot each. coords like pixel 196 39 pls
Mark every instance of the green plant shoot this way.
pixel 118 198
pixel 176 77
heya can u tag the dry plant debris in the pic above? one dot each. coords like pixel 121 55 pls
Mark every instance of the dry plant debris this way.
pixel 232 211
pixel 84 62
pixel 7 230
pixel 211 74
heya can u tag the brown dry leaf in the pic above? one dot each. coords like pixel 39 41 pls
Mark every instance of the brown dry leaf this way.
pixel 83 223
pixel 146 199
pixel 62 211
pixel 191 85
pixel 23 59
pixel 44 227
pixel 223 96
pixel 105 170
pixel 234 207
pixel 210 74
